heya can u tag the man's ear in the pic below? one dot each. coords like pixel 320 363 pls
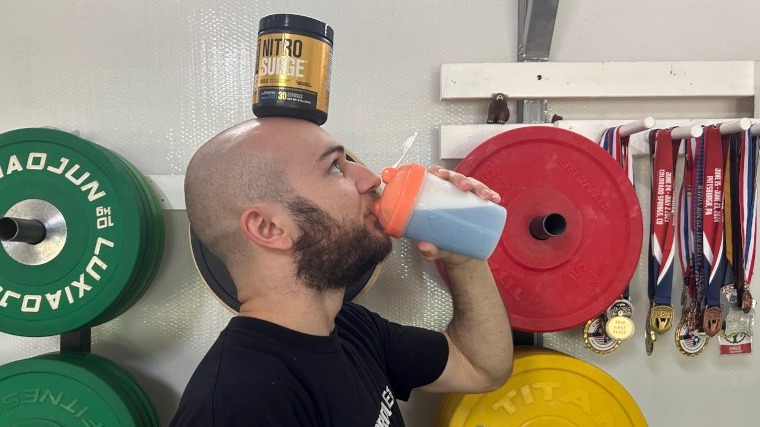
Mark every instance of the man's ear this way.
pixel 267 226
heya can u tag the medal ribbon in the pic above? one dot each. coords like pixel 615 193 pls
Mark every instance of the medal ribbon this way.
pixel 685 214
pixel 617 147
pixel 713 249
pixel 697 221
pixel 662 228
pixel 732 224
pixel 740 216
pixel 748 189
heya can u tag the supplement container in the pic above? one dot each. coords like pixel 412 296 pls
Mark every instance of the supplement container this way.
pixel 293 63
pixel 422 207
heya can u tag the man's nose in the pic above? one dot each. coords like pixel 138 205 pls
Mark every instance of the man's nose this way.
pixel 366 180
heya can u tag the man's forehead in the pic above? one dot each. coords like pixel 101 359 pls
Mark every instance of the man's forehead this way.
pixel 314 145
pixel 307 150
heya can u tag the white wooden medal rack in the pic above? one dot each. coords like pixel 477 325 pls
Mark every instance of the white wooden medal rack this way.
pixel 596 80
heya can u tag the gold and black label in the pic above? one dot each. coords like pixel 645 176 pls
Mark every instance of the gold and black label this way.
pixel 292 69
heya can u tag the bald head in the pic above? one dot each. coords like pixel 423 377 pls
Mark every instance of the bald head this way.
pixel 241 166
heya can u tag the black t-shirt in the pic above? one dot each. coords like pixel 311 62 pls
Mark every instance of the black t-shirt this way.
pixel 260 374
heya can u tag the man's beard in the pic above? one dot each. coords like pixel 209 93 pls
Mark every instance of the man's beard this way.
pixel 331 256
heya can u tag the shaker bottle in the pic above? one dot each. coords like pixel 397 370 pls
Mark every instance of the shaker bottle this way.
pixel 422 207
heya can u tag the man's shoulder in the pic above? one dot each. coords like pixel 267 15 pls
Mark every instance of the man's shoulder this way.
pixel 265 377
pixel 268 393
pixel 230 386
pixel 236 361
pixel 352 312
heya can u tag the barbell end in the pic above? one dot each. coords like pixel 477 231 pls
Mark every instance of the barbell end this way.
pixel 21 230
pixel 550 225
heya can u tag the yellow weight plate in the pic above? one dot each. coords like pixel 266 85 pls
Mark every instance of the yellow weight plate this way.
pixel 546 389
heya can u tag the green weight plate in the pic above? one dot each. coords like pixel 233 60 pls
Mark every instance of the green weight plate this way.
pixel 135 280
pixel 49 391
pixel 96 368
pixel 156 220
pixel 154 253
pixel 151 257
pixel 103 240
pixel 131 382
pixel 121 381
pixel 118 378
pixel 133 386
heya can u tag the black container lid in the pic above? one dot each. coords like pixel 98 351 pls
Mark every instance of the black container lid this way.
pixel 286 21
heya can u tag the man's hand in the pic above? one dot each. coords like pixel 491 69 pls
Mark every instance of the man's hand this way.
pixel 466 183
pixel 429 251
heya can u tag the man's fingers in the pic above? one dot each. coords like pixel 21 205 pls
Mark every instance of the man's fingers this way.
pixel 430 252
pixel 466 183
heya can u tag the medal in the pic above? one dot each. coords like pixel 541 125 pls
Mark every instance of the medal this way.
pixel 663 160
pixel 689 343
pixel 661 318
pixel 737 344
pixel 621 307
pixel 596 339
pixel 649 338
pixel 714 263
pixel 739 322
pixel 712 320
pixel 617 321
pixel 619 325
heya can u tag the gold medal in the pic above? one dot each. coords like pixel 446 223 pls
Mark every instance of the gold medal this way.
pixel 689 343
pixel 596 339
pixel 621 307
pixel 619 327
pixel 661 318
pixel 649 338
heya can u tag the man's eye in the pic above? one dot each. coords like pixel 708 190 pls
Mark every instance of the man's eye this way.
pixel 334 168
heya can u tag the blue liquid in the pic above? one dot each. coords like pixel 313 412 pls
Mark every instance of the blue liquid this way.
pixel 469 231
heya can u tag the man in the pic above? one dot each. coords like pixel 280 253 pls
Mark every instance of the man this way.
pixel 277 200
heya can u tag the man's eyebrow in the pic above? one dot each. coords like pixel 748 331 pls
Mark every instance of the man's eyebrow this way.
pixel 330 150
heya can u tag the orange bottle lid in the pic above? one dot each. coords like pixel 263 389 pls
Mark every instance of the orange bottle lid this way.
pixel 402 185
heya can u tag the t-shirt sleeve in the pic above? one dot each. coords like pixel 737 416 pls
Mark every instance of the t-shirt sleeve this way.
pixel 413 357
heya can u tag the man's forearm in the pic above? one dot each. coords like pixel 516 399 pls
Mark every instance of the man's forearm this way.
pixel 480 326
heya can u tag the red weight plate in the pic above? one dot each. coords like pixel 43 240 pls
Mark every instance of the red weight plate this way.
pixel 562 281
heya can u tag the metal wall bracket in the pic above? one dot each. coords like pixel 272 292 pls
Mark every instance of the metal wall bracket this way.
pixel 535 29
pixel 80 340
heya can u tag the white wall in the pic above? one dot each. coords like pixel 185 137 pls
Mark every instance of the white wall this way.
pixel 154 79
